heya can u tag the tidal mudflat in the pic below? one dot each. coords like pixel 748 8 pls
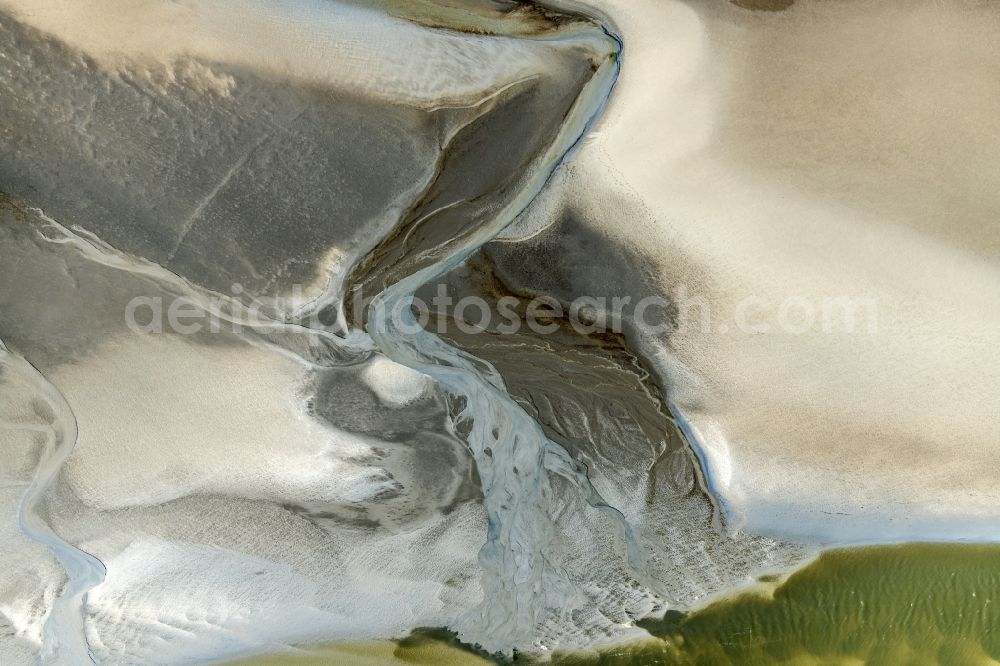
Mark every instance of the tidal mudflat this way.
pixel 470 331
pixel 915 604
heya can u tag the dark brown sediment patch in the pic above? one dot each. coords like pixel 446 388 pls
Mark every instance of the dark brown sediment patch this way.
pixel 483 165
pixel 582 387
pixel 11 206
pixel 764 5
pixel 521 18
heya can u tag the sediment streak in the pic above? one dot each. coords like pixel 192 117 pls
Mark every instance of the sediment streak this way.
pixel 64 637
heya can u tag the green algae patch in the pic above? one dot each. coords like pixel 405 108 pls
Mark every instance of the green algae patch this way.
pixel 908 604
pixel 430 647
